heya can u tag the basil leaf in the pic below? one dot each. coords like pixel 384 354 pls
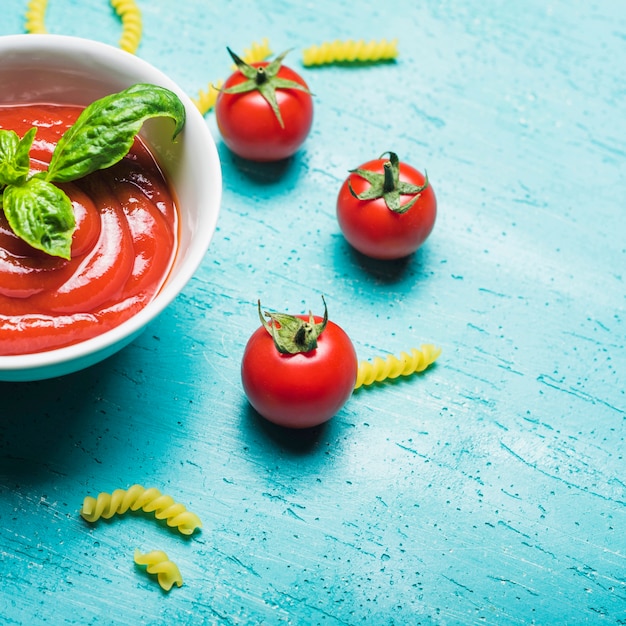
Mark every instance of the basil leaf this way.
pixel 42 215
pixel 104 132
pixel 14 156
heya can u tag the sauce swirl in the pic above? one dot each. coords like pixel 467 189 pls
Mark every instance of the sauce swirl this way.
pixel 122 250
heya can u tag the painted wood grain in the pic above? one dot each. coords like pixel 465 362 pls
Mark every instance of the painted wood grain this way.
pixel 490 489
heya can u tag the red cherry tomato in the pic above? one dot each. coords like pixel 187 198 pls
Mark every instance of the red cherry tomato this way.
pixel 249 125
pixel 370 225
pixel 304 389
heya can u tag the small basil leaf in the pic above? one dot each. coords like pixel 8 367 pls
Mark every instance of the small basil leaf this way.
pixel 104 132
pixel 14 156
pixel 42 215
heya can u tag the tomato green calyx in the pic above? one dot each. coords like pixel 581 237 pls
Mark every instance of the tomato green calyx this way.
pixel 388 185
pixel 265 80
pixel 292 334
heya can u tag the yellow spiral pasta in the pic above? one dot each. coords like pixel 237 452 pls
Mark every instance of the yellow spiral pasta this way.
pixel 206 100
pixel 35 16
pixel 256 52
pixel 159 563
pixel 130 15
pixel 350 51
pixel 392 367
pixel 106 505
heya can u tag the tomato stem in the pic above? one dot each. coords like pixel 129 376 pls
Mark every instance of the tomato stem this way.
pixel 261 76
pixel 389 184
pixel 292 334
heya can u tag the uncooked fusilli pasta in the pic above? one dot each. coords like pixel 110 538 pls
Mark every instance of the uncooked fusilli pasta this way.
pixel 35 14
pixel 106 505
pixel 206 99
pixel 392 367
pixel 256 52
pixel 350 51
pixel 127 10
pixel 158 563
pixel 131 24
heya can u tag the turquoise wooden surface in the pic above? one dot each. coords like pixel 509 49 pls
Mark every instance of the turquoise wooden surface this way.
pixel 489 490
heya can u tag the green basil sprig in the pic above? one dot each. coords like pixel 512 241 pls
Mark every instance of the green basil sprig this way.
pixel 36 209
pixel 14 159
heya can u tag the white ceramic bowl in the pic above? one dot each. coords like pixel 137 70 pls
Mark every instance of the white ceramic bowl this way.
pixel 71 70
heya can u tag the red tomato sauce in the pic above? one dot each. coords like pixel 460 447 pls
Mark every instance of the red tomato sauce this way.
pixel 122 250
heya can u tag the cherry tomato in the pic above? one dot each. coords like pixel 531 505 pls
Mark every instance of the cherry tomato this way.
pixel 304 388
pixel 264 110
pixel 386 209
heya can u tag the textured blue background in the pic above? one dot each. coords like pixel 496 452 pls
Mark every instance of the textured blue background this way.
pixel 490 490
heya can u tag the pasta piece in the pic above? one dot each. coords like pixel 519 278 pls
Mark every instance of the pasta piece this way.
pixel 256 52
pixel 130 15
pixel 391 367
pixel 350 51
pixel 127 10
pixel 158 563
pixel 206 100
pixel 106 505
pixel 35 17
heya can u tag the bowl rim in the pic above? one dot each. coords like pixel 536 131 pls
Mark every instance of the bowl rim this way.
pixel 106 343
